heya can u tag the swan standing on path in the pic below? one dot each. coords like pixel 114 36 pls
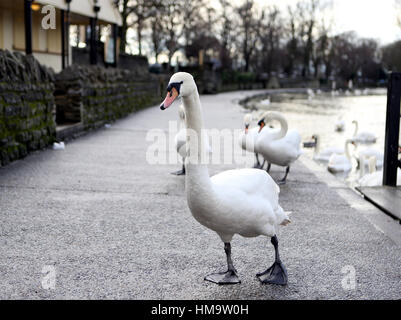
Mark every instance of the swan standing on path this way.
pixel 363 137
pixel 242 201
pixel 248 137
pixel 281 147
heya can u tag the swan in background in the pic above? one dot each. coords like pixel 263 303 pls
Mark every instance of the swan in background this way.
pixel 341 162
pixel 375 178
pixel 265 102
pixel 278 146
pixel 324 155
pixel 241 201
pixel 339 126
pixel 363 137
pixel 248 137
pixel 371 152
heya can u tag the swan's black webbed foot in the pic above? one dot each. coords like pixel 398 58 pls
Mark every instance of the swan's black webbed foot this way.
pixel 268 167
pixel 179 172
pixel 276 274
pixel 284 180
pixel 227 277
pixel 257 164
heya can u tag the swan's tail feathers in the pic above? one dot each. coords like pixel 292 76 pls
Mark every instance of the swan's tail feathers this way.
pixel 285 222
pixel 286 219
pixel 283 216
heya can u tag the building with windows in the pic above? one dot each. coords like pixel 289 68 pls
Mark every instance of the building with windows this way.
pixel 89 24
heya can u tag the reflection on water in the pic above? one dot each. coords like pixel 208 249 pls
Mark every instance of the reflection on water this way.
pixel 319 114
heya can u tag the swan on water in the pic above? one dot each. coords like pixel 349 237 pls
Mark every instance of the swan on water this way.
pixel 375 178
pixel 341 162
pixel 278 146
pixel 339 126
pixel 240 201
pixel 372 152
pixel 363 137
pixel 325 154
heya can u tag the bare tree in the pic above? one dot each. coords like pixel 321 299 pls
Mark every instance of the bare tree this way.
pixel 250 22
pixel 226 33
pixel 271 35
pixel 172 21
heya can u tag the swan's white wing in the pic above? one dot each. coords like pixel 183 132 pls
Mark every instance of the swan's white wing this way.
pixel 252 196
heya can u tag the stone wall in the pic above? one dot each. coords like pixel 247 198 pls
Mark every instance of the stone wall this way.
pixel 95 95
pixel 26 106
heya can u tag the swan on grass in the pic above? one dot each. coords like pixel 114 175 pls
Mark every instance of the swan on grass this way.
pixel 279 146
pixel 325 154
pixel 363 137
pixel 341 162
pixel 241 201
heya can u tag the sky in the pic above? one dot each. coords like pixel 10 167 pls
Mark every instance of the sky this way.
pixel 369 18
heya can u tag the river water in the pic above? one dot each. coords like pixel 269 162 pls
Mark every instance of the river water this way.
pixel 317 115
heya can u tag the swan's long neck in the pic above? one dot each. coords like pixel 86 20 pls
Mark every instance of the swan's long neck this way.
pixel 197 173
pixel 356 127
pixel 283 125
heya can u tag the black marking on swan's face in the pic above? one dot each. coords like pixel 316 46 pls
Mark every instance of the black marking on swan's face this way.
pixel 175 85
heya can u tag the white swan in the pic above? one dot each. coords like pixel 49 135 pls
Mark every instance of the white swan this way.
pixel 363 137
pixel 375 178
pixel 372 152
pixel 339 126
pixel 242 201
pixel 281 147
pixel 325 154
pixel 180 139
pixel 341 162
pixel 247 139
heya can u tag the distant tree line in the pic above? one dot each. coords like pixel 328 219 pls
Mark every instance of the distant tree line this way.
pixel 295 42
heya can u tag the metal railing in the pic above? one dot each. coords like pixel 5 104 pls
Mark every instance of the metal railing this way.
pixel 391 143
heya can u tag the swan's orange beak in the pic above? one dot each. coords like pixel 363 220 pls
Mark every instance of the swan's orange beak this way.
pixel 246 128
pixel 171 96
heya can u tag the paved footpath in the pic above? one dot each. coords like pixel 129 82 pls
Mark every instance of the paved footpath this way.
pixel 112 226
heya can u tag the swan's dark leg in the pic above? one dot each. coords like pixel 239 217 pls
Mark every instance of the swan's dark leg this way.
pixel 257 163
pixel 276 274
pixel 180 172
pixel 225 277
pixel 283 181
pixel 268 167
